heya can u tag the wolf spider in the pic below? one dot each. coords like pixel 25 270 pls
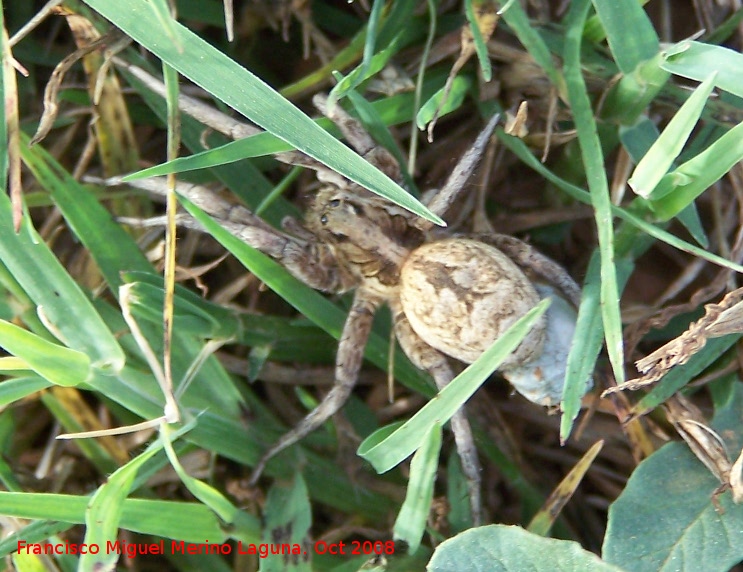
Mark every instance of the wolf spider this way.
pixel 449 298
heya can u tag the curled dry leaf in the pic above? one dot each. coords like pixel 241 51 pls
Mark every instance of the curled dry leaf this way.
pixel 706 445
pixel 719 320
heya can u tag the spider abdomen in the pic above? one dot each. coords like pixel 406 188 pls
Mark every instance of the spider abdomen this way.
pixel 460 295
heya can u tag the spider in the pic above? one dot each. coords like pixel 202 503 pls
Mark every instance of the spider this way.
pixel 449 298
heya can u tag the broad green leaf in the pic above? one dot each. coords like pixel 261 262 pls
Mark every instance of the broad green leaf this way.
pixel 58 364
pixel 406 439
pixel 413 516
pixel 219 75
pixel 661 155
pixel 501 548
pixel 665 519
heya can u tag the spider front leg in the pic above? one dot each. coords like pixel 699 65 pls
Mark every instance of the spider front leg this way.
pixel 435 363
pixel 359 139
pixel 348 363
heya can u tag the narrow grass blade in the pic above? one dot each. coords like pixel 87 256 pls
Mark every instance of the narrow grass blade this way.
pixel 257 145
pixel 371 62
pixel 396 447
pixel 102 518
pixel 681 375
pixel 661 155
pixel 202 491
pixel 588 338
pixel 219 75
pixel 596 176
pixel 517 19
pixel 58 364
pixel 481 16
pixel 432 108
pixel 411 520
pixel 189 522
pixel 628 49
pixel 46 282
pixel 683 185
pixel 288 518
pixel 12 390
pixel 545 518
pixel 112 248
pixel 519 149
pixel 696 60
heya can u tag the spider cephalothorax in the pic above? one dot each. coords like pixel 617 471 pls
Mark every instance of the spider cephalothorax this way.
pixel 449 298
pixel 368 234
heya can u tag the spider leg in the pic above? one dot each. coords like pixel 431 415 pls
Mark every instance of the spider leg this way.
pixel 312 262
pixel 359 139
pixel 463 170
pixel 428 359
pixel 529 258
pixel 348 363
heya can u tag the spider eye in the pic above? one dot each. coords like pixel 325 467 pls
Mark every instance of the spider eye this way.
pixel 324 219
pixel 334 203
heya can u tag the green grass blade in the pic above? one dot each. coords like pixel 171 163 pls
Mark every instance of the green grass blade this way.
pixel 661 155
pixel 519 22
pixel 522 151
pixel 288 518
pixel 177 520
pixel 257 145
pixel 432 108
pixel 681 375
pixel 371 62
pixel 396 447
pixel 102 518
pixel 47 283
pixel 695 60
pixel 597 183
pixel 481 48
pixel 411 520
pixel 112 248
pixel 58 364
pixel 696 175
pixel 219 75
pixel 202 491
pixel 628 49
pixel 15 389
pixel 587 341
